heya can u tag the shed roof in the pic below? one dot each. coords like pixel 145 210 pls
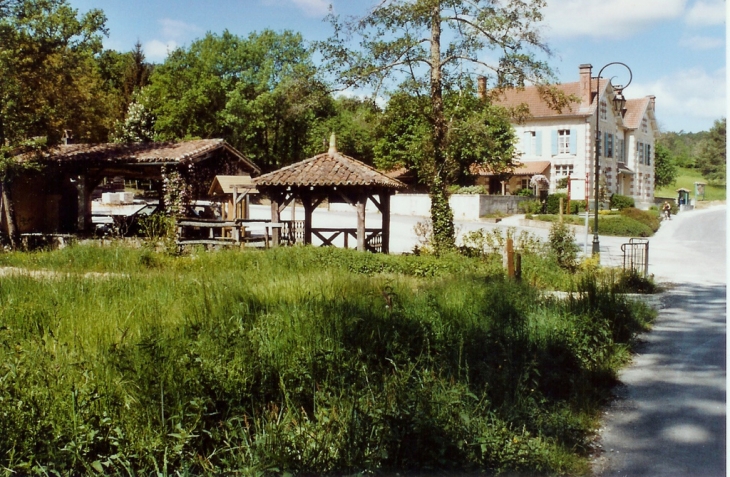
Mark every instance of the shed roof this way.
pixel 139 153
pixel 328 169
pixel 224 185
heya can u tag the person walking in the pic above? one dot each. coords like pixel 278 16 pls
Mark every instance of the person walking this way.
pixel 667 210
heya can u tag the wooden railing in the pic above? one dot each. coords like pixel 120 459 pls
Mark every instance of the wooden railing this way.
pixel 225 232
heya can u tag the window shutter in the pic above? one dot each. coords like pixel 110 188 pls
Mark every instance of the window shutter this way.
pixel 538 143
pixel 574 141
pixel 605 144
pixel 648 154
pixel 555 142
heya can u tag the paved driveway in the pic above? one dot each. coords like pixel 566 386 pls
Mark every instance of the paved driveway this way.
pixel 669 417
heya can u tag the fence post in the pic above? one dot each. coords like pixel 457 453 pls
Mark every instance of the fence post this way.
pixel 518 266
pixel 510 258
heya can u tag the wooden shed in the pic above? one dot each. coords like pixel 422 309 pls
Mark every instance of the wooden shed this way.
pixel 55 196
pixel 234 192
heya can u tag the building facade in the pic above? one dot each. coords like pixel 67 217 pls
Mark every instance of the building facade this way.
pixel 566 138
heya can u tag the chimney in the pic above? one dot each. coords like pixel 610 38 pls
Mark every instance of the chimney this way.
pixel 482 87
pixel 586 96
pixel 652 102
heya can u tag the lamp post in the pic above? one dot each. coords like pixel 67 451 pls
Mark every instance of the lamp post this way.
pixel 619 103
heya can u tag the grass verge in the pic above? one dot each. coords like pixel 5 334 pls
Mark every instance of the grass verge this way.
pixel 303 360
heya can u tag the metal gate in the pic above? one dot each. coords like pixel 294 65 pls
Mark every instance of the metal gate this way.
pixel 636 256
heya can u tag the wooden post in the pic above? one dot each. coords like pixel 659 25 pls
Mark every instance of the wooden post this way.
pixel 518 266
pixel 560 213
pixel 275 218
pixel 362 201
pixel 385 211
pixel 510 258
pixel 308 209
pixel 81 203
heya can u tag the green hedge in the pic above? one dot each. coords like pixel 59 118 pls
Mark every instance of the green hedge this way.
pixel 623 226
pixel 621 202
pixel 649 219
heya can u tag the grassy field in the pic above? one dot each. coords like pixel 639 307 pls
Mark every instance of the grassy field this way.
pixel 686 179
pixel 302 360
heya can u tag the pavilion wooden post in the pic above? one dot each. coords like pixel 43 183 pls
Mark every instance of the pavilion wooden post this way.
pixel 385 212
pixel 275 218
pixel 362 201
pixel 308 209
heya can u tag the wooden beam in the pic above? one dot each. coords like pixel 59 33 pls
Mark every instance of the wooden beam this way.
pixel 308 209
pixel 275 217
pixel 385 214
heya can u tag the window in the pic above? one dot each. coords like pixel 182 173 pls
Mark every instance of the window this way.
pixel 564 141
pixel 621 150
pixel 640 152
pixel 564 170
pixel 647 157
pixel 645 125
pixel 604 110
pixel 525 183
pixel 609 145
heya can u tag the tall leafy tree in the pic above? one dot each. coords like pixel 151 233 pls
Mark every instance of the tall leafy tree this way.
pixel 49 80
pixel 665 169
pixel 712 158
pixel 354 120
pixel 436 44
pixel 261 93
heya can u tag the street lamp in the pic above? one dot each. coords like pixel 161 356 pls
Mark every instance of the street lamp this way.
pixel 619 103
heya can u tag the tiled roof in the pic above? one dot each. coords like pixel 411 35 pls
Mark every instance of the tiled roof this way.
pixel 328 169
pixel 154 152
pixel 530 96
pixel 635 109
pixel 529 168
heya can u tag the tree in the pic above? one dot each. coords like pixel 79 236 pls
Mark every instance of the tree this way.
pixel 665 170
pixel 260 93
pixel 49 81
pixel 711 158
pixel 354 120
pixel 437 44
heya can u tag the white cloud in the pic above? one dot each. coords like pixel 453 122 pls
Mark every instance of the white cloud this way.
pixel 310 8
pixel 607 18
pixel 706 13
pixel 157 51
pixel 702 42
pixel 177 30
pixel 313 8
pixel 688 100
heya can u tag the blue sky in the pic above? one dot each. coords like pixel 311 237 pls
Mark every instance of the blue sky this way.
pixel 675 48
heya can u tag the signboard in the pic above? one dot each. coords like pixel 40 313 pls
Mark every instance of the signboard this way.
pixel 578 189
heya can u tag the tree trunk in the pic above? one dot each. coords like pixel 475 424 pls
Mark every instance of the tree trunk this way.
pixel 442 217
pixel 9 212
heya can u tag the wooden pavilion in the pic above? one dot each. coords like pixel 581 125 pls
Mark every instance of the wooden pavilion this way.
pixel 334 177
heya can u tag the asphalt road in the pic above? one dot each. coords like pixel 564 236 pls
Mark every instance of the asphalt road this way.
pixel 669 417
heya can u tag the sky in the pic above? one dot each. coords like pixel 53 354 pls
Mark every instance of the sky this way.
pixel 674 48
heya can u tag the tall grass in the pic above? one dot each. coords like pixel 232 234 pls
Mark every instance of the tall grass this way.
pixel 300 360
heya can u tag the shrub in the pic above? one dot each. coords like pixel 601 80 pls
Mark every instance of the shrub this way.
pixel 563 246
pixel 621 202
pixel 530 206
pixel 553 202
pixel 647 218
pixel 623 226
pixel 525 192
pixel 475 189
